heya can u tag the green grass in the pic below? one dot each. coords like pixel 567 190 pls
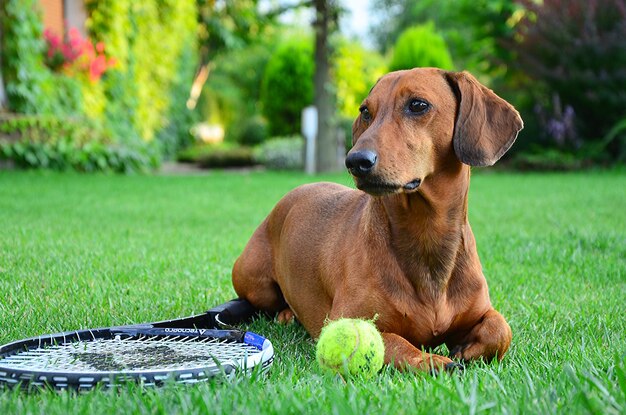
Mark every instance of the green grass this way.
pixel 80 251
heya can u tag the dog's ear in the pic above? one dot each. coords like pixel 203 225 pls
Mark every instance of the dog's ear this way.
pixel 486 125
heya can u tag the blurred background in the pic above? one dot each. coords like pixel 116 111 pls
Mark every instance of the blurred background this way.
pixel 124 86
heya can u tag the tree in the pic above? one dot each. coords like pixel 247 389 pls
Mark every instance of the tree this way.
pixel 326 17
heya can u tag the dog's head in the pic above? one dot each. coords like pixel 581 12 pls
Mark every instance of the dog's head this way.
pixel 417 122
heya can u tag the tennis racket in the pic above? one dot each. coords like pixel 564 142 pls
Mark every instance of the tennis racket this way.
pixel 185 350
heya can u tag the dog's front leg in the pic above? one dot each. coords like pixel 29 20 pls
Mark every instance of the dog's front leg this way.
pixel 403 355
pixel 489 338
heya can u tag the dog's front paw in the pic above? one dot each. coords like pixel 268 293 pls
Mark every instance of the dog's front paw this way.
pixel 457 351
pixel 433 363
pixel 468 351
pixel 489 338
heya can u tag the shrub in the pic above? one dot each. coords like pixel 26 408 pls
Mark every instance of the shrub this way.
pixel 64 144
pixel 141 97
pixel 83 62
pixel 548 160
pixel 420 46
pixel 288 86
pixel 472 29
pixel 22 48
pixel 32 87
pixel 140 89
pixel 356 71
pixel 282 153
pixel 177 132
pixel 231 96
pixel 64 93
pixel 576 50
pixel 217 155
pixel 224 158
pixel 76 55
pixel 253 131
pixel 232 92
pixel 222 102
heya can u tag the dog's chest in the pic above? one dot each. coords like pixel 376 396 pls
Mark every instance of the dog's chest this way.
pixel 426 324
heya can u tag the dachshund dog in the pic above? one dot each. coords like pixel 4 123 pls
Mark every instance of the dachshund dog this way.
pixel 400 247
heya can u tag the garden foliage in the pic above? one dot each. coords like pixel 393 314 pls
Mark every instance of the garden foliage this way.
pixel 282 153
pixel 355 70
pixel 472 30
pixel 27 79
pixel 151 41
pixel 232 93
pixel 223 155
pixel 288 85
pixel 575 52
pixel 131 78
pixel 47 141
pixel 420 46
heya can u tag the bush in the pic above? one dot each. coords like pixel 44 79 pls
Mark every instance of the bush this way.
pixel 141 97
pixel 288 86
pixel 282 153
pixel 63 144
pixel 233 90
pixel 224 158
pixel 144 88
pixel 231 96
pixel 217 155
pixel 65 95
pixel 576 50
pixel 420 46
pixel 22 48
pixel 177 132
pixel 472 29
pixel 356 71
pixel 547 160
pixel 253 131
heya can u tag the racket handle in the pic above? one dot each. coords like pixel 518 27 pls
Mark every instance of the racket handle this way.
pixel 233 312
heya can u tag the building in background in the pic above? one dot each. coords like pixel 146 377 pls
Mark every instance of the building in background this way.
pixel 60 15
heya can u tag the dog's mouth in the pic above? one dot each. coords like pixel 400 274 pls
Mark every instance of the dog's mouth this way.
pixel 412 185
pixel 380 188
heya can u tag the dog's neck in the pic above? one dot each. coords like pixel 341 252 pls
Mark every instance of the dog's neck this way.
pixel 427 227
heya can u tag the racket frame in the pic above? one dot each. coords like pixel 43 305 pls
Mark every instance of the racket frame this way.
pixel 196 326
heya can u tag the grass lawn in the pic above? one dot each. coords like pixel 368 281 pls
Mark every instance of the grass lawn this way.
pixel 80 251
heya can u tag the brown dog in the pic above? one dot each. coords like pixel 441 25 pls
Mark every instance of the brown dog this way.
pixel 401 247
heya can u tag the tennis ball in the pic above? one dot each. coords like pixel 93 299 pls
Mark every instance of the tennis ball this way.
pixel 350 347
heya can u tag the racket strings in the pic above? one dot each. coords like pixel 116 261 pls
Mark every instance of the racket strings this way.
pixel 131 353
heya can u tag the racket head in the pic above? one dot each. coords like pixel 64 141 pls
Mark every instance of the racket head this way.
pixel 144 354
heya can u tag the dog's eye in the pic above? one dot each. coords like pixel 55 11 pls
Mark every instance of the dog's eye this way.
pixel 365 113
pixel 418 106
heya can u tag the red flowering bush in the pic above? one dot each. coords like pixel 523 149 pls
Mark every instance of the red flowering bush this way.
pixel 76 55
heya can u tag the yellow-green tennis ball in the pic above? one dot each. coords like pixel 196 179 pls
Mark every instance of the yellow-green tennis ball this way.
pixel 350 347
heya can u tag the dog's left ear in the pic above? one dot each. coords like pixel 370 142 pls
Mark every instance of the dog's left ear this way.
pixel 486 125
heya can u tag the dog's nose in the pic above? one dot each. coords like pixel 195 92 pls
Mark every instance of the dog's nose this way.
pixel 360 163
